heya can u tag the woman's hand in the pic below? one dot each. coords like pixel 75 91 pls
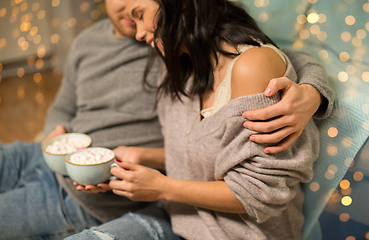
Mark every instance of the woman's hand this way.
pixel 285 120
pixel 138 183
pixel 99 188
pixel 154 157
pixel 130 154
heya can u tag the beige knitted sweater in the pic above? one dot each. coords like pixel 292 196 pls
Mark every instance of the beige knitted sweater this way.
pixel 217 148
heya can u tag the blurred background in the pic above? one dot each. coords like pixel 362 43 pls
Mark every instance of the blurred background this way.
pixel 35 36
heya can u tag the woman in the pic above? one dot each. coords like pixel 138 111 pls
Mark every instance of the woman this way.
pixel 219 185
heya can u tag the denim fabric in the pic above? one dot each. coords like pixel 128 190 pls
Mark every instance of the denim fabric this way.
pixel 32 204
pixel 150 223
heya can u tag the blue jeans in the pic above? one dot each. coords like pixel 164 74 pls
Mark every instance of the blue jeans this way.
pixel 150 223
pixel 32 204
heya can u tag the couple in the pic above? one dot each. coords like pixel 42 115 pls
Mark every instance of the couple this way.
pixel 218 183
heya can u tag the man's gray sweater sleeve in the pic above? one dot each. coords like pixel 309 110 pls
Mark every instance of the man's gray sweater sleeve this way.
pixel 310 71
pixel 64 107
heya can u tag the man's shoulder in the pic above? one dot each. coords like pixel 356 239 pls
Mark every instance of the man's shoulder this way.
pixel 98 27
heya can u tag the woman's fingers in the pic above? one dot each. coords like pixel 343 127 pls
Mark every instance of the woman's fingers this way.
pixel 120 185
pixel 123 193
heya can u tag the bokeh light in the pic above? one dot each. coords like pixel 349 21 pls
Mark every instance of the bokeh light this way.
pixel 344 56
pixel 365 76
pixel 2 42
pixel 314 186
pixel 35 7
pixel 20 92
pixel 343 76
pixel 358 176
pixel 84 6
pixel 37 77
pixel 39 63
pixel 346 201
pixel 39 97
pixel 2 12
pixel 344 184
pixel 41 14
pixel 55 3
pixel 332 132
pixel 323 54
pixel 313 18
pixel 20 72
pixel 350 20
pixel 351 69
pixel 344 217
pixel 346 191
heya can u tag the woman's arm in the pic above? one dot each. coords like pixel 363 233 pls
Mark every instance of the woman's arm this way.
pixel 140 183
pixel 154 157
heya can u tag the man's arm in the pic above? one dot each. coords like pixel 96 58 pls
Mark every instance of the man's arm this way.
pixel 310 71
pixel 64 106
pixel 287 119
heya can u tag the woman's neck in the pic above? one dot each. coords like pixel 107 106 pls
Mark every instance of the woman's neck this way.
pixel 219 73
pixel 219 70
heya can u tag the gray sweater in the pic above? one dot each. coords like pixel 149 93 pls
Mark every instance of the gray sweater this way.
pixel 102 95
pixel 218 148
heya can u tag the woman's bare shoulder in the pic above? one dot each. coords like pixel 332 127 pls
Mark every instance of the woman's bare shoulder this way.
pixel 254 69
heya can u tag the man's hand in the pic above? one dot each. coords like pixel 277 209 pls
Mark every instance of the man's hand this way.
pixel 99 188
pixel 59 130
pixel 285 120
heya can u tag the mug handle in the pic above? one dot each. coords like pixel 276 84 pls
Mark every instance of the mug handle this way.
pixel 111 166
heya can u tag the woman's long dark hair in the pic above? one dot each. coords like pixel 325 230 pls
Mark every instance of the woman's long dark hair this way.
pixel 201 25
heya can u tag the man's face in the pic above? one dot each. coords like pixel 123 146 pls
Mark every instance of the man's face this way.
pixel 124 26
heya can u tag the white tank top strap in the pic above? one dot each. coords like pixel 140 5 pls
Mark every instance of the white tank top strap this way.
pixel 223 92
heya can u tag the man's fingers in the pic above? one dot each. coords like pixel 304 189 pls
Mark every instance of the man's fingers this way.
pixel 282 146
pixel 265 127
pixel 264 113
pixel 272 137
pixel 277 84
pixel 277 109
pixel 59 130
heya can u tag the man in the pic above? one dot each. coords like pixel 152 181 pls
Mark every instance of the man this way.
pixel 101 95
